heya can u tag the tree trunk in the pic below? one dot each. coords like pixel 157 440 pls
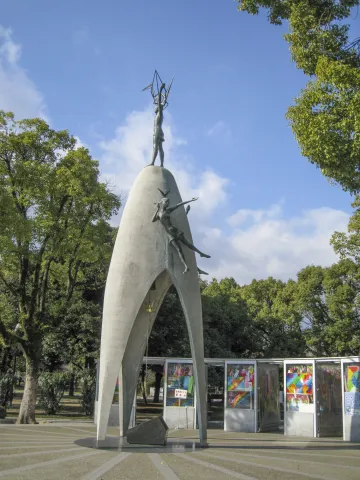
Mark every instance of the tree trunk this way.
pixel 158 377
pixel 143 374
pixel 6 360
pixel 28 402
pixel 72 385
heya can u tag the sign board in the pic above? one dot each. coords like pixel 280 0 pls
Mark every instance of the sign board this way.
pixel 180 393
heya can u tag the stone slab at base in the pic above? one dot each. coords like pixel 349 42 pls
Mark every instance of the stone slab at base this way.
pixel 238 420
pixel 152 432
pixel 299 424
pixel 180 417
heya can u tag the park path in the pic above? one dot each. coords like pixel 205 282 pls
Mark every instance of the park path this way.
pixel 57 451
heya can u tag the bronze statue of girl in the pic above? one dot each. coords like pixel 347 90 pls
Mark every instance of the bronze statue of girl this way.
pixel 176 236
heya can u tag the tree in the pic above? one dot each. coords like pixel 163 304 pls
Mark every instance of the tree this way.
pixel 325 118
pixel 326 122
pixel 348 245
pixel 227 329
pixel 53 214
pixel 342 284
pixel 169 336
pixel 310 300
pixel 328 301
pixel 276 322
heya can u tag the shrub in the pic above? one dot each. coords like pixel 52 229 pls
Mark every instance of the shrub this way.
pixel 87 382
pixel 51 389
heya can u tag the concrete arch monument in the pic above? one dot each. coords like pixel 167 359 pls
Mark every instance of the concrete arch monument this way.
pixel 144 255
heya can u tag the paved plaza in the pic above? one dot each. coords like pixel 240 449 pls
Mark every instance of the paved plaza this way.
pixel 55 451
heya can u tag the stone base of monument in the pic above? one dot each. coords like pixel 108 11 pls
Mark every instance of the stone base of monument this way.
pixel 151 432
pixel 148 437
pixel 120 444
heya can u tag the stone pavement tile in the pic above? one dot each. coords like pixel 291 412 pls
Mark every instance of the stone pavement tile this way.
pixel 187 470
pixel 26 448
pixel 91 431
pixel 314 469
pixel 48 431
pixel 254 471
pixel 69 470
pixel 106 466
pixel 28 433
pixel 163 467
pixel 135 467
pixel 15 461
pixel 335 457
pixel 35 452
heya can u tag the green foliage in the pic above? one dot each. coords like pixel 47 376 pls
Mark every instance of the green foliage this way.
pixel 257 320
pixel 51 390
pixel 325 118
pixel 326 122
pixel 54 213
pixel 348 245
pixel 54 235
pixel 313 38
pixel 276 322
pixel 328 301
pixel 169 336
pixel 76 339
pixel 87 383
pixel 227 330
pixel 324 11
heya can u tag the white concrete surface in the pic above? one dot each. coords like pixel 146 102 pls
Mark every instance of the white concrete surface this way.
pixel 142 255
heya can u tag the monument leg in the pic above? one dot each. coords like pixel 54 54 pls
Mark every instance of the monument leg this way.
pixel 191 304
pixel 109 371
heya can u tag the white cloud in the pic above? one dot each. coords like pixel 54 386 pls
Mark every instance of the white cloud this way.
pixel 79 143
pixel 272 245
pixel 219 129
pixel 130 150
pixel 249 243
pixel 242 215
pixel 18 92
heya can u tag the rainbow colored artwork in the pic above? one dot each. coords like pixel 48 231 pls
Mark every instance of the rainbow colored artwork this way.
pixel 240 378
pixel 239 400
pixel 353 378
pixel 299 380
pixel 240 385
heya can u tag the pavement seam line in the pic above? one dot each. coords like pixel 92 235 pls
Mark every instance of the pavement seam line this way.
pixel 35 445
pixel 277 450
pixel 35 442
pixel 38 429
pixel 12 471
pixel 215 467
pixel 286 459
pixel 21 435
pixel 44 452
pixel 81 430
pixel 105 467
pixel 278 469
pixel 163 467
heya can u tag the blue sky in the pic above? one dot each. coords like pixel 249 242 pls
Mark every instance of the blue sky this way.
pixel 83 65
